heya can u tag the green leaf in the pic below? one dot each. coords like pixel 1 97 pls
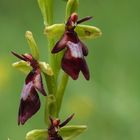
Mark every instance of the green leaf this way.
pixel 32 44
pixel 37 134
pixel 46 7
pixel 46 68
pixel 71 7
pixel 83 31
pixel 72 131
pixel 22 66
pixel 88 32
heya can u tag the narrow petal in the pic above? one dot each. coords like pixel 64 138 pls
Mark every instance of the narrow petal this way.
pixel 84 19
pixel 66 121
pixel 29 103
pixel 84 69
pixel 19 56
pixel 38 84
pixel 61 44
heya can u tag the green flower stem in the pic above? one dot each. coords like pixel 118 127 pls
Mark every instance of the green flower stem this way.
pixel 51 84
pixel 60 91
pixel 51 81
pixel 47 11
pixel 53 59
pixel 57 91
pixel 50 108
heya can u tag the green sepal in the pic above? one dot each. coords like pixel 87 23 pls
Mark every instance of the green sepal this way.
pixel 71 131
pixel 71 7
pixel 46 68
pixel 83 31
pixel 22 66
pixel 32 44
pixel 46 7
pixel 37 134
pixel 50 109
pixel 88 32
pixel 55 30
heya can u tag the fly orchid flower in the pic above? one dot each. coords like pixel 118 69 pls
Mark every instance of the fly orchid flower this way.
pixel 73 60
pixel 55 126
pixel 29 102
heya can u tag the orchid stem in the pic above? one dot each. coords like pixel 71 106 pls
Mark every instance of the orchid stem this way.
pixel 60 91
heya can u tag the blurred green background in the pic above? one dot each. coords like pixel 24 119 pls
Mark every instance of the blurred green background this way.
pixel 110 102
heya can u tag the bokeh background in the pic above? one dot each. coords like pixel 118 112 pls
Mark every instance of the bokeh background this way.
pixel 110 102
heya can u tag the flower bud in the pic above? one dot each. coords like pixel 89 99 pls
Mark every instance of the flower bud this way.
pixel 71 7
pixel 32 44
pixel 46 10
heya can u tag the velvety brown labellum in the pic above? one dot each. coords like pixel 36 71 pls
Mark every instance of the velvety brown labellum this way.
pixel 29 102
pixel 73 60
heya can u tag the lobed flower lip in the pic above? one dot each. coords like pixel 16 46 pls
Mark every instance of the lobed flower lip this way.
pixel 73 60
pixel 29 101
pixel 54 127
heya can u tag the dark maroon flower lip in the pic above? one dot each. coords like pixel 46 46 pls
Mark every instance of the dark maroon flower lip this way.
pixel 55 126
pixel 30 102
pixel 73 60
